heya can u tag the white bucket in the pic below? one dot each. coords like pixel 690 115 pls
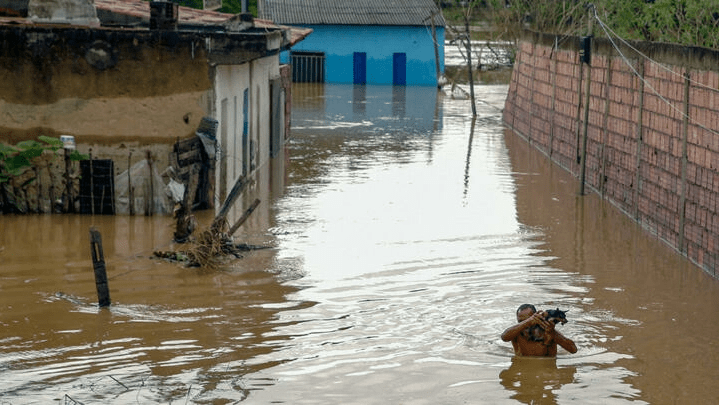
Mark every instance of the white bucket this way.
pixel 68 141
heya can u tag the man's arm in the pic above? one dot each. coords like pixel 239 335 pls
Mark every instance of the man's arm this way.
pixel 512 332
pixel 559 339
pixel 565 342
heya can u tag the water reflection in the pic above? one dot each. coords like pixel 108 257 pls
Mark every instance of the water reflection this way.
pixel 359 99
pixel 536 381
pixel 399 101
pixel 367 109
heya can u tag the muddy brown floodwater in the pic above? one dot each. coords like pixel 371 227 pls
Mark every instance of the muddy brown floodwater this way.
pixel 402 239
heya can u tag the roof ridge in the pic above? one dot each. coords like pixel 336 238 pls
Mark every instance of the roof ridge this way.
pixel 351 12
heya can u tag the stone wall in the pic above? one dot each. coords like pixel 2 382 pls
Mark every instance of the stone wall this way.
pixel 652 141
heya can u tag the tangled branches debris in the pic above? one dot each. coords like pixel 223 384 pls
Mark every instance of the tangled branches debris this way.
pixel 211 248
pixel 214 246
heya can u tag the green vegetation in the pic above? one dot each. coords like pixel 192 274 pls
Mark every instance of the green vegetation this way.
pixel 684 22
pixel 15 159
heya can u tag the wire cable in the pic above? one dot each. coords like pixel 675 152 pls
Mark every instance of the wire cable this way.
pixel 607 28
pixel 646 83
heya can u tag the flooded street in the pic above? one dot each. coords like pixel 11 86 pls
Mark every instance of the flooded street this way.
pixel 402 239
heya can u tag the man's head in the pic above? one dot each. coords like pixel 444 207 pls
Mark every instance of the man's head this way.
pixel 525 311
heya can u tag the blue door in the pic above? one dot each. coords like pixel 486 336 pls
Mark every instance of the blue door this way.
pixel 359 75
pixel 399 69
pixel 245 131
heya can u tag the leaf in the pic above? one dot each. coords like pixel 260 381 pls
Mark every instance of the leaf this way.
pixel 15 163
pixel 6 150
pixel 77 156
pixel 30 144
pixel 30 149
pixel 32 153
pixel 55 143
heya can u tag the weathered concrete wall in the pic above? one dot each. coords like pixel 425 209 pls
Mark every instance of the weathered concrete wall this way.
pixel 101 86
pixel 263 70
pixel 244 128
pixel 286 76
pixel 77 12
pixel 652 140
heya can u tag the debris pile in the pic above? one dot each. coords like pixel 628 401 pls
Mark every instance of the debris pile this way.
pixel 209 249
pixel 213 246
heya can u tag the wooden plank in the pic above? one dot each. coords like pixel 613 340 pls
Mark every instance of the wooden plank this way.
pixel 188 144
pixel 229 201
pixel 189 157
pixel 98 264
pixel 244 217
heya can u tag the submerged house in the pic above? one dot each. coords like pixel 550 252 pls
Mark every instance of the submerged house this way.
pixel 363 41
pixel 128 79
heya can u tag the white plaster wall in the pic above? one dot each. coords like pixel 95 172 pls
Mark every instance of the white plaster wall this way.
pixel 263 70
pixel 230 83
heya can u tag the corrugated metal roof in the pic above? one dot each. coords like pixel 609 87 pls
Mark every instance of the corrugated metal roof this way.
pixel 350 12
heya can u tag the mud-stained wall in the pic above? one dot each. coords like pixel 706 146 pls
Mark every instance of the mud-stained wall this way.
pixel 101 85
pixel 652 140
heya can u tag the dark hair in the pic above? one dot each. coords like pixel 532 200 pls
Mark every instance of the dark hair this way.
pixel 525 306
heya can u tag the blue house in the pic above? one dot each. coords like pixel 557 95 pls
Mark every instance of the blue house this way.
pixel 363 41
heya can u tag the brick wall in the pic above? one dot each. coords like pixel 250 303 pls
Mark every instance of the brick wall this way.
pixel 652 129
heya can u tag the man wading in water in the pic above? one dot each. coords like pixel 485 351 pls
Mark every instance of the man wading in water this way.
pixel 525 339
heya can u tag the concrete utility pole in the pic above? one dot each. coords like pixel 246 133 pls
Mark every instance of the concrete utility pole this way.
pixel 586 45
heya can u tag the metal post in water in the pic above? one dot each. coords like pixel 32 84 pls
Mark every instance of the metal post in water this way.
pixel 98 264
